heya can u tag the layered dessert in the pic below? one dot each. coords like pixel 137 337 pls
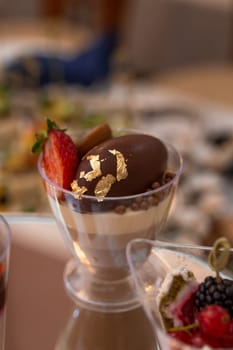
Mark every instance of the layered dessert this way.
pixel 106 189
pixel 197 312
pixel 175 296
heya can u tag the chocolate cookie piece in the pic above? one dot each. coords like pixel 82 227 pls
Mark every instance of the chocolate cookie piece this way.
pixel 122 166
pixel 93 137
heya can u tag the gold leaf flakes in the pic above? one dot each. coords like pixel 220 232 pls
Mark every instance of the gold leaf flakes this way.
pixel 103 186
pixel 95 172
pixel 77 191
pixel 122 172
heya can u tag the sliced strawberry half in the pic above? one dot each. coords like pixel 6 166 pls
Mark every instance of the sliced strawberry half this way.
pixel 59 155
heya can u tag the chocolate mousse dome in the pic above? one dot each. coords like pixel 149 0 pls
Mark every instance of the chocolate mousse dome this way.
pixel 122 166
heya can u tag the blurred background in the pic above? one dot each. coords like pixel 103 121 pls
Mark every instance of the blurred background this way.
pixel 165 66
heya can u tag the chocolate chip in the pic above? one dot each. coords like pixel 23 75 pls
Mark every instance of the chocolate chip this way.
pixel 155 185
pixel 120 209
pixel 152 200
pixel 156 201
pixel 144 205
pixel 135 206
pixel 168 176
pixel 138 200
pixel 159 196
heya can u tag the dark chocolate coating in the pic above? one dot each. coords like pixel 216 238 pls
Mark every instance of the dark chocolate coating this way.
pixel 145 156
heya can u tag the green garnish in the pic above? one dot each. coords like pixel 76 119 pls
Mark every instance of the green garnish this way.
pixel 219 255
pixel 42 135
pixel 52 125
pixel 184 328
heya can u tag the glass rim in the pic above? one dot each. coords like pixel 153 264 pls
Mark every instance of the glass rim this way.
pixel 88 197
pixel 166 245
pixel 8 238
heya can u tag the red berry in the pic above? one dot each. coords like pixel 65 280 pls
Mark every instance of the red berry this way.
pixel 230 330
pixel 182 336
pixel 227 339
pixel 211 341
pixel 214 320
pixel 60 158
pixel 197 339
pixel 185 311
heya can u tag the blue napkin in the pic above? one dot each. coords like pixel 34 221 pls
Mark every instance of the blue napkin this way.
pixel 88 67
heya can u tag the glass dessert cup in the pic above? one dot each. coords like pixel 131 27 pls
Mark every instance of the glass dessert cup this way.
pixel 97 277
pixel 97 232
pixel 149 272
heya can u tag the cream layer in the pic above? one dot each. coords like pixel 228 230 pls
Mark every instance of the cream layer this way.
pixel 111 223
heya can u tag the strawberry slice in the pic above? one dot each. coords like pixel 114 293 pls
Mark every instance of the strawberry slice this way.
pixel 59 155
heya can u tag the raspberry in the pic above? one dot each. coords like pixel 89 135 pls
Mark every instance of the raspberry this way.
pixel 214 321
pixel 227 339
pixel 213 342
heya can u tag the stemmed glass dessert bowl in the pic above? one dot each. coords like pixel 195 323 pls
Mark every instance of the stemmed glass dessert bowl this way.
pixel 184 294
pixel 96 232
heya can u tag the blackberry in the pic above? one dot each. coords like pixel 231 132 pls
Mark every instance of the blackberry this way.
pixel 215 290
